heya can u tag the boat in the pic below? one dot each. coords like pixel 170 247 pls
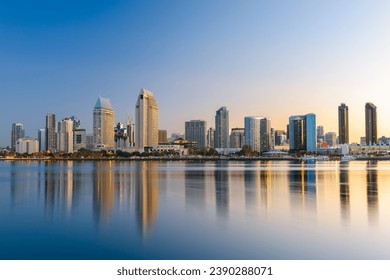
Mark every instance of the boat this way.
pixel 347 158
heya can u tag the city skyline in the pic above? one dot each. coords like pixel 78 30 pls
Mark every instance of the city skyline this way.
pixel 255 58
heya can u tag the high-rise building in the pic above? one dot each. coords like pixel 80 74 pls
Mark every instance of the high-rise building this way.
pixel 146 120
pixel 371 124
pixel 210 137
pixel 343 124
pixel 280 137
pixel 120 137
pixel 195 130
pixel 103 124
pixel 42 139
pixel 162 137
pixel 131 134
pixel 302 130
pixel 65 136
pixel 51 137
pixel 237 138
pixel 330 138
pixel 258 133
pixel 221 136
pixel 16 133
pixel 320 132
pixel 79 139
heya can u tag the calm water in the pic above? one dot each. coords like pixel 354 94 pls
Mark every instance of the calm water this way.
pixel 194 210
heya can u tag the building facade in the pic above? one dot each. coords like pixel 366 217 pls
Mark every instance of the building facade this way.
pixel 146 120
pixel 16 133
pixel 343 124
pixel 195 130
pixel 210 137
pixel 221 136
pixel 258 133
pixel 330 139
pixel 371 124
pixel 237 138
pixel 162 137
pixel 27 145
pixel 42 139
pixel 302 132
pixel 51 137
pixel 65 136
pixel 103 124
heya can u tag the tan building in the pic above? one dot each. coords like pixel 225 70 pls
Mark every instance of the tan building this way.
pixel 103 124
pixel 162 137
pixel 146 120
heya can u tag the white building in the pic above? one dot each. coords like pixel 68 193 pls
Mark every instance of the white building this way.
pixel 146 120
pixel 65 136
pixel 27 145
pixel 16 133
pixel 258 133
pixel 103 124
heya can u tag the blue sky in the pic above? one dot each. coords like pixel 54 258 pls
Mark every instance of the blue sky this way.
pixel 269 58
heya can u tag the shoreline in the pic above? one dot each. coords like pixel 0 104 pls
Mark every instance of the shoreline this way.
pixel 192 159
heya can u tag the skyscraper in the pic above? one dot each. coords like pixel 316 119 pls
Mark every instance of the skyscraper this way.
pixel 195 130
pixel 210 137
pixel 221 138
pixel 65 136
pixel 343 124
pixel 146 120
pixel 237 138
pixel 371 124
pixel 302 132
pixel 16 133
pixel 51 138
pixel 258 133
pixel 42 139
pixel 103 124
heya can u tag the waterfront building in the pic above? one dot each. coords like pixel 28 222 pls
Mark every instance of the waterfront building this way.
pixel 320 132
pixel 302 130
pixel 237 138
pixel 210 137
pixel 79 139
pixel 120 137
pixel 89 141
pixel 162 137
pixel 330 139
pixel 51 136
pixel 42 139
pixel 16 133
pixel 103 124
pixel 280 137
pixel 221 136
pixel 195 130
pixel 258 133
pixel 131 134
pixel 371 124
pixel 343 124
pixel 65 136
pixel 27 145
pixel 146 120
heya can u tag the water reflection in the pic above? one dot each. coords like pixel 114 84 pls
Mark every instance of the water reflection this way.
pixel 221 181
pixel 344 192
pixel 372 192
pixel 146 193
pixel 302 182
pixel 195 183
pixel 252 185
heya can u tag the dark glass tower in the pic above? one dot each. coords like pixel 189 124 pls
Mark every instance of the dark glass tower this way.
pixel 371 124
pixel 343 124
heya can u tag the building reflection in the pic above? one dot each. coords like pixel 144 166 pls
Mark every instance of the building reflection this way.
pixel 265 186
pixel 146 194
pixel 23 182
pixel 303 183
pixel 252 185
pixel 344 191
pixel 221 177
pixel 103 189
pixel 372 192
pixel 59 186
pixel 195 182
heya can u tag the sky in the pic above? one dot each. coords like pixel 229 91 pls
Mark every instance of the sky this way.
pixel 256 57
